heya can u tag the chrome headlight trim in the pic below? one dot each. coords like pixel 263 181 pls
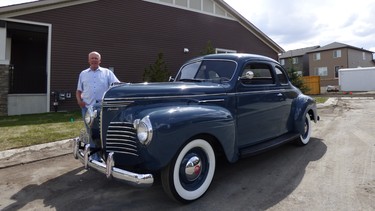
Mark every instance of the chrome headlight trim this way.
pixel 144 130
pixel 90 116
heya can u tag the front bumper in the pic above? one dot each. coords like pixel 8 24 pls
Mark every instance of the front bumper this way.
pixel 107 168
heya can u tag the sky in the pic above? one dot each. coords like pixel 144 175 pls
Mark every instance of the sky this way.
pixel 295 24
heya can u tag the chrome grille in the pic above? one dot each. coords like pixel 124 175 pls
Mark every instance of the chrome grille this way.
pixel 121 138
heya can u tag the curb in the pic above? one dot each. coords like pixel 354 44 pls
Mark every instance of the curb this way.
pixel 13 157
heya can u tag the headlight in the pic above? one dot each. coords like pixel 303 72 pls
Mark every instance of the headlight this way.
pixel 90 116
pixel 144 130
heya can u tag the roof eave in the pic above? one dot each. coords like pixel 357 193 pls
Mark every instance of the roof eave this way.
pixel 252 28
pixel 37 6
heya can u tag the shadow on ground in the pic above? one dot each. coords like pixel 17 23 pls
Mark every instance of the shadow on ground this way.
pixel 254 183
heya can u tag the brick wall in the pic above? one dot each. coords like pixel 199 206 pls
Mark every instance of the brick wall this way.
pixel 4 87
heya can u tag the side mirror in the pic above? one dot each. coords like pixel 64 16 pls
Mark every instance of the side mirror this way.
pixel 247 75
pixel 171 79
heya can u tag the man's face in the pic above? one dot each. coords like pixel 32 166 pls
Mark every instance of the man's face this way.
pixel 94 61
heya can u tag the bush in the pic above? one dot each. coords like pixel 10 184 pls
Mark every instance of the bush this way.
pixel 297 80
pixel 158 72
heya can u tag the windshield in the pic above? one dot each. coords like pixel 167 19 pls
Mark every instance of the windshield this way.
pixel 207 70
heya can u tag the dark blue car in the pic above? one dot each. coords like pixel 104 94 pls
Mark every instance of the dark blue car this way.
pixel 235 105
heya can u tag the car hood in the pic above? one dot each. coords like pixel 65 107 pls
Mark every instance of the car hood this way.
pixel 164 89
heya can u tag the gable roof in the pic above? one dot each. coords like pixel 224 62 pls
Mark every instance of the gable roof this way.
pixel 37 6
pixel 251 27
pixel 297 52
pixel 337 45
pixel 43 5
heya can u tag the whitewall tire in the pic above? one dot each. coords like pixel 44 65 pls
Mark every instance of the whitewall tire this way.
pixel 190 174
pixel 305 137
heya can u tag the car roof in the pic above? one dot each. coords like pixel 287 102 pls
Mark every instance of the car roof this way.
pixel 235 57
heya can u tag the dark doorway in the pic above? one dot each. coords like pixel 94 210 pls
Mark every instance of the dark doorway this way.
pixel 28 62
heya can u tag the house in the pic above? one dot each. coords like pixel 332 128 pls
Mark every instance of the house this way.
pixel 297 59
pixel 325 61
pixel 44 44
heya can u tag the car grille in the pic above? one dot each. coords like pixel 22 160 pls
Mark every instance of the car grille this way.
pixel 121 138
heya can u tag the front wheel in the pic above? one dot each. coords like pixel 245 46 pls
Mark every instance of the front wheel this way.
pixel 305 137
pixel 190 174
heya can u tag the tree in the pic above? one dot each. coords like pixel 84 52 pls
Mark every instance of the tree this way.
pixel 208 49
pixel 158 72
pixel 297 80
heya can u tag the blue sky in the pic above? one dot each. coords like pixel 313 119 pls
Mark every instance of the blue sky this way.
pixel 297 24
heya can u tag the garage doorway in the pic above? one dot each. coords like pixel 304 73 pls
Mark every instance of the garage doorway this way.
pixel 28 83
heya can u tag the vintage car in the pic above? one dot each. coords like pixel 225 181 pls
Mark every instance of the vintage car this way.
pixel 233 105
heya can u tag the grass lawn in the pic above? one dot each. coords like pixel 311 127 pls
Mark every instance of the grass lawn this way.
pixel 320 99
pixel 25 130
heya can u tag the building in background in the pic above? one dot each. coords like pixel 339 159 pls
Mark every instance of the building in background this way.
pixel 44 44
pixel 325 61
pixel 297 59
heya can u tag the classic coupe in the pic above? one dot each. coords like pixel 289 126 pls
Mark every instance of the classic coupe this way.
pixel 230 105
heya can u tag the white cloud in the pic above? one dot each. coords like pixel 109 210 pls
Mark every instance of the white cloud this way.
pixel 298 24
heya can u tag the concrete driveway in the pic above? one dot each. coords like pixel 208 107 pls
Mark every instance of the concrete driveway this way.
pixel 336 171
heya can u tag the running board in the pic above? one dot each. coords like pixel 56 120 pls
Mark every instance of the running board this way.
pixel 270 144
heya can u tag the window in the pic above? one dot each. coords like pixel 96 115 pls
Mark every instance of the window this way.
pixel 316 56
pixel 337 54
pixel 282 61
pixel 262 74
pixel 196 4
pixel 213 70
pixel 182 3
pixel 281 75
pixel 221 50
pixel 208 6
pixel 295 60
pixel 363 56
pixel 321 71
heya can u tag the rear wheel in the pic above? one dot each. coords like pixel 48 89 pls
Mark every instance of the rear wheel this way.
pixel 304 138
pixel 190 174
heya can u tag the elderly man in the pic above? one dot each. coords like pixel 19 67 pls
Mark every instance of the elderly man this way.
pixel 92 84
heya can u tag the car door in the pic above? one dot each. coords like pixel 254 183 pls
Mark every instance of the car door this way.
pixel 288 95
pixel 259 111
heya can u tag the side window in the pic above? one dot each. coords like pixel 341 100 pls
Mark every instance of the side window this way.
pixel 281 75
pixel 262 74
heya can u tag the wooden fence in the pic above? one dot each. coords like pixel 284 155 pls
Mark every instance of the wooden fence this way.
pixel 313 83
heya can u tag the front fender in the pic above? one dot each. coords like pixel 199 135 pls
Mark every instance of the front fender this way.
pixel 302 105
pixel 173 126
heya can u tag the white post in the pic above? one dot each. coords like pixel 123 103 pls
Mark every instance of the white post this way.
pixel 4 57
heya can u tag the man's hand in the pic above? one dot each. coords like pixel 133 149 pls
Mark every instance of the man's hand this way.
pixel 79 100
pixel 81 104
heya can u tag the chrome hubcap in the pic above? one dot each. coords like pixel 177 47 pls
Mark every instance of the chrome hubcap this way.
pixel 193 168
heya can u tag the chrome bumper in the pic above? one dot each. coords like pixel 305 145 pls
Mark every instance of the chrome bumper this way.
pixel 107 168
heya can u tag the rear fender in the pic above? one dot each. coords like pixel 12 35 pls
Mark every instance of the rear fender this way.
pixel 302 105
